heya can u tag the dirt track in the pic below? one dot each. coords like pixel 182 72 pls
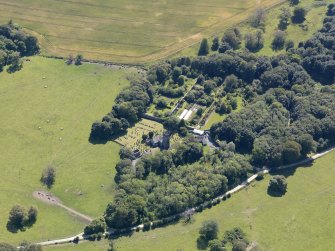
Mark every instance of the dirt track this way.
pixel 47 197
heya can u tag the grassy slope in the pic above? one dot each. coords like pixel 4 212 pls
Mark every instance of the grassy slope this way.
pixel 129 31
pixel 294 32
pixel 73 99
pixel 300 220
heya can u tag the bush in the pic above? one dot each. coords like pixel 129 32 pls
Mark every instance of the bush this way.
pixel 299 15
pixel 146 226
pixel 278 185
pixel 260 176
pixel 278 41
pixel 48 176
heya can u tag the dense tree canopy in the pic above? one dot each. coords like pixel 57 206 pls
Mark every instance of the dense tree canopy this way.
pixel 14 44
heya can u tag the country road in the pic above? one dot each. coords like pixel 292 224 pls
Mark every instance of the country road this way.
pixel 232 191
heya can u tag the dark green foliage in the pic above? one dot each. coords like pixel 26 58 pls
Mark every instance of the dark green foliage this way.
pixel 48 176
pixel 216 245
pixel 294 2
pixel 7 247
pixel 299 15
pixel 14 44
pixel 278 41
pixel 291 152
pixel 331 10
pixel 209 230
pixel 126 153
pixel 216 44
pixel 95 227
pixel 131 104
pixel 26 246
pixel 254 41
pixel 257 20
pixel 19 218
pixel 79 59
pixel 278 185
pixel 161 104
pixel 204 48
pixel 289 44
pixel 240 246
pixel 171 124
pixel 284 18
pixel 233 38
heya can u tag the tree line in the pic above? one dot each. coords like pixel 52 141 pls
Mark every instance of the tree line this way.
pixel 14 44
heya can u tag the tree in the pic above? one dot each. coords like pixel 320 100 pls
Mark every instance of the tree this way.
pixel 291 152
pixel 209 230
pixel 289 44
pixel 204 47
pixel 278 41
pixel 257 20
pixel 32 215
pixel 233 38
pixel 27 246
pixel 284 18
pixel 7 247
pixel 299 15
pixel 69 60
pixel 278 184
pixel 17 218
pixel 254 41
pixel 126 153
pixel 216 44
pixel 161 104
pixel 216 245
pixel 95 227
pixel 48 176
pixel 78 60
pixel 294 2
pixel 240 246
pixel 171 124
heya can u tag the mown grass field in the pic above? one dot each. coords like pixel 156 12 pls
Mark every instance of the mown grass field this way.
pixel 303 219
pixel 46 113
pixel 129 31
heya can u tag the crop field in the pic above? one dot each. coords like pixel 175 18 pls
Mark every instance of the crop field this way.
pixel 129 31
pixel 46 113
pixel 133 138
pixel 303 219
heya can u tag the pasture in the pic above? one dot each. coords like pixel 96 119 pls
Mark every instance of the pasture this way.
pixel 46 112
pixel 129 31
pixel 300 220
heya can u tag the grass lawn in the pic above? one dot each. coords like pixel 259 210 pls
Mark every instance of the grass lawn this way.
pixel 303 219
pixel 294 32
pixel 128 31
pixel 46 113
pixel 216 117
pixel 133 138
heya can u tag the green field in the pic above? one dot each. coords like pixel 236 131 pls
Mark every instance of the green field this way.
pixel 46 112
pixel 295 32
pixel 129 31
pixel 216 117
pixel 303 219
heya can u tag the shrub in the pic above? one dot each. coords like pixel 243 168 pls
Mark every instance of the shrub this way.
pixel 278 184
